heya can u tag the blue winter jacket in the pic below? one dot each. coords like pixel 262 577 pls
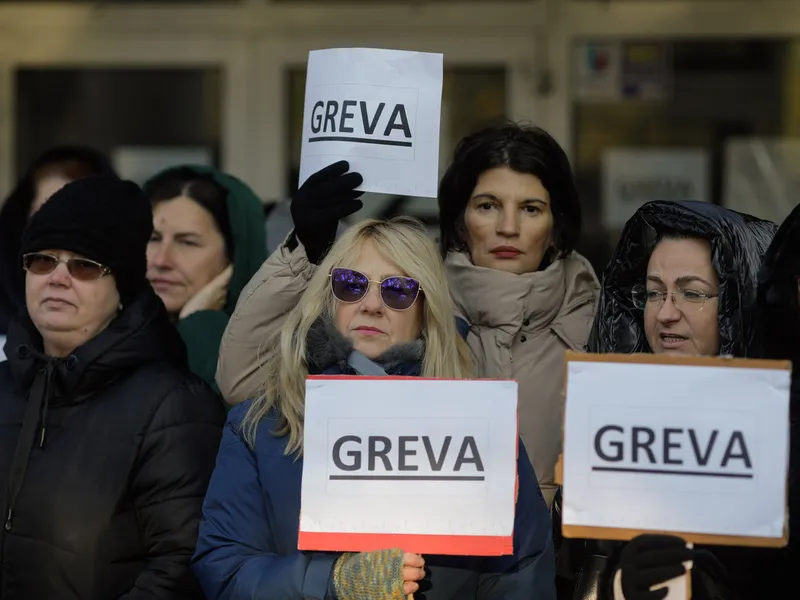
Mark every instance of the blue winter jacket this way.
pixel 247 546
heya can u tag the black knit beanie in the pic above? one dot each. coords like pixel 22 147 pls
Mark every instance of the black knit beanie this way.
pixel 102 218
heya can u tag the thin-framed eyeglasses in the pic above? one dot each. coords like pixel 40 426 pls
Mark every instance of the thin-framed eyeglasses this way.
pixel 681 298
pixel 82 269
pixel 398 293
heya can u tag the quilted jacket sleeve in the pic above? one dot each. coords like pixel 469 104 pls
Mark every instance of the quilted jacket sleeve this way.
pixel 236 557
pixel 262 307
pixel 173 469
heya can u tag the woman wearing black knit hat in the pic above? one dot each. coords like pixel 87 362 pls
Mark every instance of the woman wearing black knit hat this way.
pixel 49 172
pixel 107 442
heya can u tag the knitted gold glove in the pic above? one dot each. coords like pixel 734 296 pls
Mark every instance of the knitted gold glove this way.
pixel 370 575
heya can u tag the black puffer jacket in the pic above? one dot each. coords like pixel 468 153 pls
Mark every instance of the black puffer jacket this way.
pixel 105 458
pixel 779 333
pixel 738 243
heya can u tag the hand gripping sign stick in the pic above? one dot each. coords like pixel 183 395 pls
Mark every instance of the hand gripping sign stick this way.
pixel 364 366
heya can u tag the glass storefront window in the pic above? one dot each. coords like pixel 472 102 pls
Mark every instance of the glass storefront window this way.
pixel 137 114
pixel 664 120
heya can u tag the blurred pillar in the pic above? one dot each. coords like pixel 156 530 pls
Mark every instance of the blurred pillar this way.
pixel 791 85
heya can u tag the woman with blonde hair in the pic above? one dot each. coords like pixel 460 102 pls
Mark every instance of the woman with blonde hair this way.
pixel 510 220
pixel 378 302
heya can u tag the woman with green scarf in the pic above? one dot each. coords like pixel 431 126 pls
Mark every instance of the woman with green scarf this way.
pixel 208 241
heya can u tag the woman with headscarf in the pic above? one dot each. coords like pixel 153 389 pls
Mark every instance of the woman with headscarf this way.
pixel 682 281
pixel 48 173
pixel 208 241
pixel 510 218
pixel 380 291
pixel 107 442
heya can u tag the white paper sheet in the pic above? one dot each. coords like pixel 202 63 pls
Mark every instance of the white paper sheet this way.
pixel 378 109
pixel 687 488
pixel 373 499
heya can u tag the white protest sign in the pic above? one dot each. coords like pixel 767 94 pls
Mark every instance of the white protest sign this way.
pixel 426 464
pixel 634 176
pixel 693 446
pixel 378 109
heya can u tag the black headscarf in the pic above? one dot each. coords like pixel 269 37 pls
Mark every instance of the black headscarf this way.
pixel 777 292
pixel 738 243
pixel 14 217
pixel 779 329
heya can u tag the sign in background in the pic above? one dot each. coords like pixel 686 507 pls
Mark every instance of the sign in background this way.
pixel 616 70
pixel 635 176
pixel 426 465
pixel 378 109
pixel 693 446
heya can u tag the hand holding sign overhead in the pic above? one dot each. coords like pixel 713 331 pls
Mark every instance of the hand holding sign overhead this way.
pixel 380 110
pixel 326 197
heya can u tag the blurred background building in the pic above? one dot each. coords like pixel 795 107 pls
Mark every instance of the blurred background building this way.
pixel 653 99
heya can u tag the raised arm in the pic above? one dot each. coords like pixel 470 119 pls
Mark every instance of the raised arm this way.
pixel 326 197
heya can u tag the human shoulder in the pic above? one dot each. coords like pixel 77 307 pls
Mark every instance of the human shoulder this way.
pixel 177 396
pixel 267 444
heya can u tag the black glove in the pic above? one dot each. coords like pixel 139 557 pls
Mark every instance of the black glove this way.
pixel 648 560
pixel 327 196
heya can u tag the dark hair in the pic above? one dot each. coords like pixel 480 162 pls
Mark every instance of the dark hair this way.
pixel 525 149
pixel 200 187
pixel 70 161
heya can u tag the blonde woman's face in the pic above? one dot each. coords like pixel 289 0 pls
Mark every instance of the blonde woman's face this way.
pixel 369 324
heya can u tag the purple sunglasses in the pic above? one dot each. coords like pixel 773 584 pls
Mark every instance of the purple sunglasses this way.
pixel 397 292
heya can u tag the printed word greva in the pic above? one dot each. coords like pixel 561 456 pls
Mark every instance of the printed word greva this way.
pixel 335 117
pixel 404 453
pixel 665 446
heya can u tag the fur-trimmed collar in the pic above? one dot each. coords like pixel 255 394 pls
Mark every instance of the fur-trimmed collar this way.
pixel 327 350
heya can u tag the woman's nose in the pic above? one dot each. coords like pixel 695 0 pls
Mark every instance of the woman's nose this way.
pixel 507 223
pixel 161 256
pixel 60 275
pixel 372 301
pixel 669 310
